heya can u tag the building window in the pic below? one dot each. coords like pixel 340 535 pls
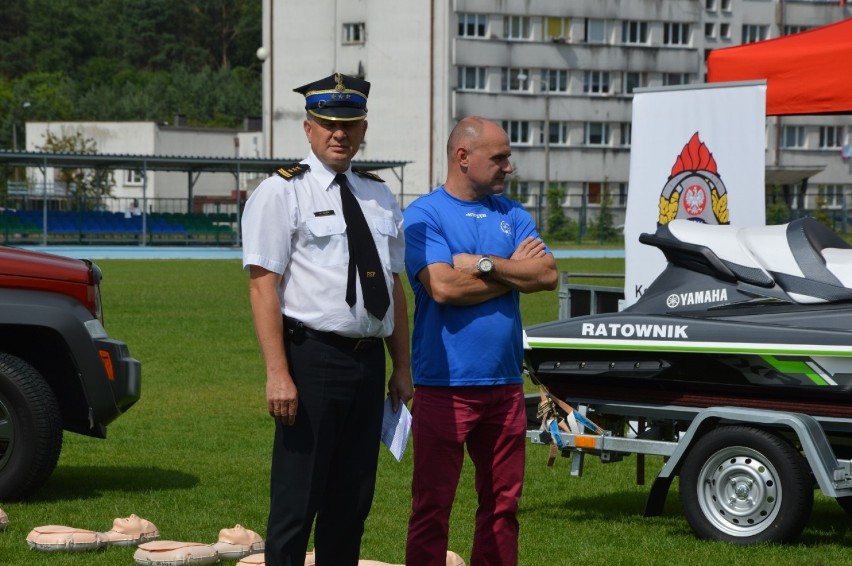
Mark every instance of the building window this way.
pixel 675 33
pixel 633 80
pixel 473 25
pixel 596 133
pixel 595 31
pixel 558 133
pixel 515 80
pixel 621 196
pixel 726 5
pixel 725 31
pixel 596 82
pixel 556 29
pixel 710 30
pixel 831 137
pixel 593 193
pixel 133 177
pixel 673 79
pixel 710 5
pixel 556 80
pixel 789 30
pixel 793 137
pixel 626 133
pixel 634 32
pixel 518 130
pixel 354 33
pixel 832 194
pixel 752 33
pixel 516 27
pixel 519 190
pixel 471 78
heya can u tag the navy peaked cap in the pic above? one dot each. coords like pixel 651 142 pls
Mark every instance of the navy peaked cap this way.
pixel 336 97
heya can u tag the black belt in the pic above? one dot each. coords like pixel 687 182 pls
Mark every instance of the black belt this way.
pixel 296 330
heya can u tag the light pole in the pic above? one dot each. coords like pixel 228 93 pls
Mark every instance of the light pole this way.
pixel 546 149
pixel 543 191
pixel 263 54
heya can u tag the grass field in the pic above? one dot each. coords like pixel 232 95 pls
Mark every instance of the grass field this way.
pixel 193 455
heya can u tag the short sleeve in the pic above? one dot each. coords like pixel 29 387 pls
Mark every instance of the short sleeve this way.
pixel 267 225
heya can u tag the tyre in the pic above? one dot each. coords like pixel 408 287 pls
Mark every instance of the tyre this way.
pixel 30 429
pixel 745 485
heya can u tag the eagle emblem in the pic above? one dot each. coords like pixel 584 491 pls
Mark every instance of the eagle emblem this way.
pixel 694 183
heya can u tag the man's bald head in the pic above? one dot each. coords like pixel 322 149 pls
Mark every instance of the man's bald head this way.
pixel 478 152
pixel 466 133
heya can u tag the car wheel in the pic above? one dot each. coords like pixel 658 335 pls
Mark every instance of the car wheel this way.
pixel 30 429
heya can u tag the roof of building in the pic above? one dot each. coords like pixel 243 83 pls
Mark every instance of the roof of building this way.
pixel 212 164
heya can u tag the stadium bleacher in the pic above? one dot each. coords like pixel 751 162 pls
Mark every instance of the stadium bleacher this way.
pixel 24 226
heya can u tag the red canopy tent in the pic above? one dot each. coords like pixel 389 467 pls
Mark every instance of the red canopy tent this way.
pixel 806 73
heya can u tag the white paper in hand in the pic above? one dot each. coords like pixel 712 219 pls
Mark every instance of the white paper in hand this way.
pixel 395 428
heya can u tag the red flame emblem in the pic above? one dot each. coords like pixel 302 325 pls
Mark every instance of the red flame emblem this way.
pixel 694 157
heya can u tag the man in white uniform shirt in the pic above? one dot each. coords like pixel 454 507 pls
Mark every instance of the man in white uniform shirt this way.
pixel 324 300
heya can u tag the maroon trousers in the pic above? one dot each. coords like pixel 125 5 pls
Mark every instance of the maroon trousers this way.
pixel 491 421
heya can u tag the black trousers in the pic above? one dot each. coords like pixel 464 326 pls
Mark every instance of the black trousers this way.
pixel 324 466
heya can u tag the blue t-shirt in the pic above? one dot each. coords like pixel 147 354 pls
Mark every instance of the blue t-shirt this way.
pixel 464 345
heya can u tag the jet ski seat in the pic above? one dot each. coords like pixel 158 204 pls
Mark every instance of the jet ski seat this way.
pixel 805 258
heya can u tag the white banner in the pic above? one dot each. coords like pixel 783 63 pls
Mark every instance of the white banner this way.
pixel 697 152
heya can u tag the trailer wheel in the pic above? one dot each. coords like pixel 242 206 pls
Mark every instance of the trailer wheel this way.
pixel 745 485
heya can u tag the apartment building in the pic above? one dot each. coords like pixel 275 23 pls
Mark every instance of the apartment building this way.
pixel 557 74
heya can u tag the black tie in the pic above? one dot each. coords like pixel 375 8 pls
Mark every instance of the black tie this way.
pixel 362 255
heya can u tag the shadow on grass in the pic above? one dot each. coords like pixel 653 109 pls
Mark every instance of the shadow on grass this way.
pixel 828 523
pixel 596 507
pixel 83 482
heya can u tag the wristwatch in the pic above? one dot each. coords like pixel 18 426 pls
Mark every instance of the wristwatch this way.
pixel 485 265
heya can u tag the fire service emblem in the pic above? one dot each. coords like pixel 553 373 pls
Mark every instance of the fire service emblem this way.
pixel 694 190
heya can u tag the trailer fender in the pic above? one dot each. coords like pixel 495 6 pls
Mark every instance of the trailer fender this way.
pixel 830 476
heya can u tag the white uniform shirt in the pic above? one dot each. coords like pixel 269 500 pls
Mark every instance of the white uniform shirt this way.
pixel 296 228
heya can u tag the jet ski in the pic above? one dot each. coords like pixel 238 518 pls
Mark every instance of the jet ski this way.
pixel 744 316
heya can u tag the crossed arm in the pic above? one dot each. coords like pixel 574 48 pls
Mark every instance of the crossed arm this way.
pixel 530 268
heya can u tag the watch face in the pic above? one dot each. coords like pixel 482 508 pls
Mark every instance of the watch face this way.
pixel 485 264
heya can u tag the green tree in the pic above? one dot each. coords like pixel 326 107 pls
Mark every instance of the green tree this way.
pixel 129 60
pixel 513 188
pixel 222 25
pixel 777 212
pixel 14 39
pixel 605 225
pixel 88 186
pixel 821 212
pixel 162 35
pixel 63 33
pixel 559 226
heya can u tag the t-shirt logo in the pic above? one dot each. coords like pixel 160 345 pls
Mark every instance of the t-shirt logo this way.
pixel 506 228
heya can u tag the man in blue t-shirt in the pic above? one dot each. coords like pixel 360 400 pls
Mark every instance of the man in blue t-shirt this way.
pixel 469 253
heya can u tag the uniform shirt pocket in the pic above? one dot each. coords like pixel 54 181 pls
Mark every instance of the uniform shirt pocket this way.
pixel 384 230
pixel 326 240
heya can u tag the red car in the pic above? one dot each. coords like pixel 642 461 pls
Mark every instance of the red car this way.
pixel 59 370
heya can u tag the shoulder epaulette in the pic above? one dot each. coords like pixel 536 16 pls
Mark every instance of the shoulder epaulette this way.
pixel 294 170
pixel 368 174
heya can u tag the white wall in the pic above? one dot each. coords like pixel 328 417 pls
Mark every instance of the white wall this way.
pixel 150 138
